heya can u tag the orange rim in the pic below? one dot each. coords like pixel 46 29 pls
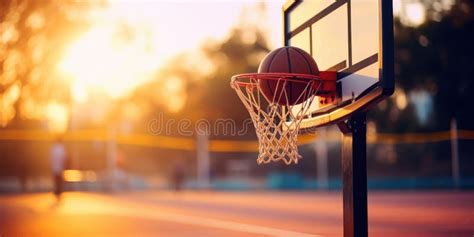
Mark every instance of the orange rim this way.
pixel 244 79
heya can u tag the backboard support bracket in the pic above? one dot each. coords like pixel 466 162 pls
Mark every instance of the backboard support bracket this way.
pixel 354 175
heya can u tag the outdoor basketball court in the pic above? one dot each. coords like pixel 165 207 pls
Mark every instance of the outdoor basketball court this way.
pixel 335 63
pixel 431 213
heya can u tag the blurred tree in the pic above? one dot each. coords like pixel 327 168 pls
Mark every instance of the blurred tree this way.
pixel 33 35
pixel 231 57
pixel 434 68
pixel 195 85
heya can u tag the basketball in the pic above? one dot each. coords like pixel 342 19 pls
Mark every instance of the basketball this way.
pixel 286 60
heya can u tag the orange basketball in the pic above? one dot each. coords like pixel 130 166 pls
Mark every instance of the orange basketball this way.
pixel 287 60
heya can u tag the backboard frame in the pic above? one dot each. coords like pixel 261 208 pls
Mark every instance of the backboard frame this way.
pixel 382 89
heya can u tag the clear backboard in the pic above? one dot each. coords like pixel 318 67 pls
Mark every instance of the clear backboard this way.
pixel 352 37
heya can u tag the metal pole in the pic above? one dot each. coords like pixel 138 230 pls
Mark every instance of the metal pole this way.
pixel 203 160
pixel 111 158
pixel 354 176
pixel 455 153
pixel 320 147
pixel 74 158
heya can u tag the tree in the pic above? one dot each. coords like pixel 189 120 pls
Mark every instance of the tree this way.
pixel 205 77
pixel 33 35
pixel 435 57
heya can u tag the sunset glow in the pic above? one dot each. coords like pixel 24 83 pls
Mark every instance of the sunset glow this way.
pixel 128 43
pixel 104 60
pixel 415 14
pixel 58 117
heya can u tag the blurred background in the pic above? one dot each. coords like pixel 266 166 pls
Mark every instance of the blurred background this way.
pixel 126 85
pixel 137 93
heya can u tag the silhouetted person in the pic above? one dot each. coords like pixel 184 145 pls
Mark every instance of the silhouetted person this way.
pixel 57 161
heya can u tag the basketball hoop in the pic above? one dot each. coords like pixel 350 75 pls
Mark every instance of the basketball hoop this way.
pixel 276 120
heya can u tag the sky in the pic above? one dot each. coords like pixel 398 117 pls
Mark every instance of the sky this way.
pixel 129 41
pixel 106 57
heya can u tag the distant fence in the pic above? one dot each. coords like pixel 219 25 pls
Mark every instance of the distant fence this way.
pixel 189 143
pixel 412 160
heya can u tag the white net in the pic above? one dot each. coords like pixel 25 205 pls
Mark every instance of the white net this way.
pixel 276 121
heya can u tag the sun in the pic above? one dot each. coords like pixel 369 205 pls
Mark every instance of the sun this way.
pixel 129 43
pixel 106 59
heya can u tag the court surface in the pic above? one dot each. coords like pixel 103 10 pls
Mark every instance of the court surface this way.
pixel 206 213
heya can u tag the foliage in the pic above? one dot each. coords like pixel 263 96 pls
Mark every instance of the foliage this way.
pixel 435 57
pixel 33 35
pixel 208 94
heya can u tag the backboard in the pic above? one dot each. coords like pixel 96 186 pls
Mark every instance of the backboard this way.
pixel 352 37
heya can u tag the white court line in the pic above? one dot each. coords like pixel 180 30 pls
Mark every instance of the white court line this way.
pixel 185 219
pixel 222 224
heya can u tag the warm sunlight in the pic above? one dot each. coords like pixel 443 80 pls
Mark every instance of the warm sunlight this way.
pixel 7 111
pixel 174 88
pixel 415 13
pixel 129 42
pixel 236 118
pixel 110 58
pixel 58 117
pixel 78 176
